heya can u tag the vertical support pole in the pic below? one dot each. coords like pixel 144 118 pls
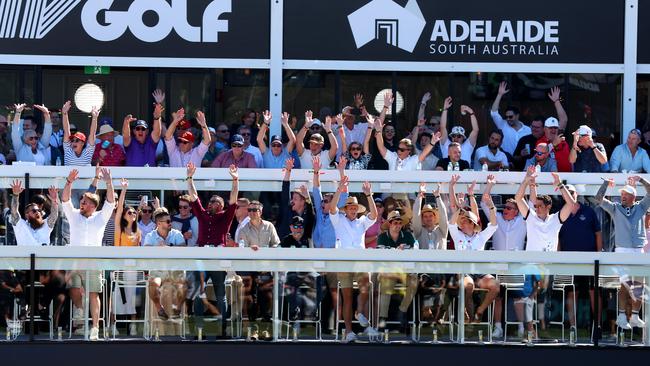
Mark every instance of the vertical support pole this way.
pixel 461 309
pixel 276 306
pixel 32 294
pixel 276 65
pixel 597 310
pixel 629 68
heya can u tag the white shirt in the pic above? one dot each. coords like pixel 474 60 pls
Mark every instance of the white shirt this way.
pixel 145 229
pixel 27 236
pixel 485 152
pixel 350 234
pixel 510 135
pixel 511 234
pixel 466 150
pixel 474 242
pixel 395 163
pixel 257 154
pixel 542 234
pixel 87 231
pixel 306 163
pixel 241 225
pixel 177 158
pixel 356 134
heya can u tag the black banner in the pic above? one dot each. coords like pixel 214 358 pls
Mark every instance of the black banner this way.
pixel 550 31
pixel 643 53
pixel 136 28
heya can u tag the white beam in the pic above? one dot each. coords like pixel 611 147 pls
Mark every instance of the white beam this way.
pixel 629 75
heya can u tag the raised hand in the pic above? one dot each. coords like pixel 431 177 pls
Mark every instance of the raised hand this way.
pixel 426 98
pixel 179 115
pixel 16 187
pixel 43 109
pixel 124 183
pixel 53 193
pixel 94 112
pixel 73 175
pixel 367 188
pixel 491 180
pixel 128 119
pixel 343 162
pixel 554 94
pixel 156 203
pixel 339 119
pixel 288 164
pixel 157 111
pixel 20 107
pixel 421 123
pixel 388 99
pixel 470 188
pixel 379 125
pixel 191 169
pixel 503 88
pixel 531 172
pixel 233 171
pixel 358 100
pixel 436 192
pixel 315 162
pixel 422 190
pixel 466 110
pixel 66 107
pixel 364 111
pixel 556 179
pixel 158 96
pixel 267 117
pixel 200 118
pixel 435 138
pixel 328 124
pixel 454 179
pixel 309 120
pixel 98 171
pixel 343 184
pixel 447 103
pixel 106 175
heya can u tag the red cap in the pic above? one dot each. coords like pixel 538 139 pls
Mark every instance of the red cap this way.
pixel 78 135
pixel 184 124
pixel 187 136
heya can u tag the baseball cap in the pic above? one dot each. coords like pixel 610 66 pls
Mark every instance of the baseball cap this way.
pixel 186 136
pixel 212 130
pixel 458 130
pixel 628 189
pixel 141 123
pixel 238 140
pixel 184 124
pixel 584 130
pixel 570 187
pixel 552 122
pixel 317 138
pixel 276 138
pixel 78 135
pixel 394 215
pixel 297 220
pixel 317 122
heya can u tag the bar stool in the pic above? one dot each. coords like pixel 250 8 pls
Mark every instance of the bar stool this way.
pixel 339 296
pixel 290 323
pixel 400 287
pixel 451 314
pixel 511 283
pixel 128 280
pixel 102 311
pixel 560 284
pixel 18 323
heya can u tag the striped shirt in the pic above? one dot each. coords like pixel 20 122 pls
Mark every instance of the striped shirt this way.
pixel 71 159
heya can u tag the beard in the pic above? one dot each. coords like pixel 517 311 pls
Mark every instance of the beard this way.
pixel 35 223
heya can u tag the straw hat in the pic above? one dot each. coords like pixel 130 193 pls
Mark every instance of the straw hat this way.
pixel 352 201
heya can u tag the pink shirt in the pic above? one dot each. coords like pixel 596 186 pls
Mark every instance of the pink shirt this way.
pixel 226 158
pixel 374 230
pixel 180 159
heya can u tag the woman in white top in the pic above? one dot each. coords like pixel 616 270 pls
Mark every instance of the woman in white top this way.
pixel 29 147
pixel 465 230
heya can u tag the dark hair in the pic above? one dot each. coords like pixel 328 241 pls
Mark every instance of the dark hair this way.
pixel 498 132
pixel 539 118
pixel 546 199
pixel 124 224
pixel 160 212
pixel 512 109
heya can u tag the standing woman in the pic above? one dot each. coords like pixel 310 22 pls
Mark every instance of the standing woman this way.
pixel 127 234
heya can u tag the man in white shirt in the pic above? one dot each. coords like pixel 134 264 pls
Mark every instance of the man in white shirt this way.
pixel 33 230
pixel 513 129
pixel 316 143
pixel 491 154
pixel 350 233
pixel 87 229
pixel 542 227
pixel 457 134
pixel 404 158
pixel 182 151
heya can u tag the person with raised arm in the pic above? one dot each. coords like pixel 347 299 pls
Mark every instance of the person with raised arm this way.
pixel 457 134
pixel 586 155
pixel 513 129
pixel 430 226
pixel 87 230
pixel 35 229
pixel 182 151
pixel 628 217
pixel 77 149
pixel 28 147
pixel 295 202
pixel 553 133
pixel 357 156
pixel 275 155
pixel 316 142
pixel 140 145
pixel 404 158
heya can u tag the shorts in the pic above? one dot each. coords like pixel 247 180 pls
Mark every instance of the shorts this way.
pixel 77 279
pixel 175 276
pixel 332 279
pixel 347 278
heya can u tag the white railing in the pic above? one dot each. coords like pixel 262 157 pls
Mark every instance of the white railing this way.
pixel 214 179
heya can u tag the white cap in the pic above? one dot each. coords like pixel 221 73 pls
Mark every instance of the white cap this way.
pixel 212 130
pixel 458 130
pixel 584 130
pixel 552 122
pixel 628 189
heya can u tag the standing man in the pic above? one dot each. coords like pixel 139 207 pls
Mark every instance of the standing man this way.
pixel 182 151
pixel 513 129
pixel 350 231
pixel 457 134
pixel 141 147
pixel 586 155
pixel 628 217
pixel 294 203
pixel 86 230
pixel 34 230
pixel 430 226
pixel 316 142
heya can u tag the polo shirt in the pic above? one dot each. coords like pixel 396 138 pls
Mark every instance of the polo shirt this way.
pixel 350 233
pixel 629 223
pixel 412 162
pixel 141 154
pixel 306 163
pixel 87 231
pixel 263 235
pixel 485 152
pixel 542 234
pixel 622 159
pixel 275 162
pixel 323 235
pixel 226 158
pixel 174 238
pixel 586 161
pixel 510 135
pixel 180 159
pixel 404 237
pixel 510 235
pixel 474 242
pixel 578 234
pixel 212 227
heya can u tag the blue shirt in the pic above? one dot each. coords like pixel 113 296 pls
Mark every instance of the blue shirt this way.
pixel 275 162
pixel 323 235
pixel 174 238
pixel 622 160
pixel 578 234
pixel 550 166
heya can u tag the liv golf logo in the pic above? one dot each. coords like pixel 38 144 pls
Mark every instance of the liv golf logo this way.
pixel 34 19
pixel 402 27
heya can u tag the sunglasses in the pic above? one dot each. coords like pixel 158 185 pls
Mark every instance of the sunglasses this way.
pixel 140 129
pixel 276 145
pixel 314 128
pixel 223 131
pixel 456 136
pixel 236 146
pixel 131 213
pixel 355 149
pixel 253 209
pixel 245 134
pixel 75 140
pixel 33 210
pixel 510 116
pixel 183 207
pixel 539 153
pixel 146 210
pixel 297 226
pixel 396 222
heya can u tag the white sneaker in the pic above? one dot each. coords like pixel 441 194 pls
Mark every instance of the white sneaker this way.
pixel 636 322
pixel 520 332
pixel 497 332
pixel 371 332
pixel 94 334
pixel 77 314
pixel 622 322
pixel 133 329
pixel 363 321
pixel 350 337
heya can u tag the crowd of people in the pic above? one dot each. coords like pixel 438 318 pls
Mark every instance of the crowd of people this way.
pixel 428 220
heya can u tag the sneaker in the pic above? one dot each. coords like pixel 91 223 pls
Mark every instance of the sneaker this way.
pixel 350 337
pixel 382 323
pixel 372 333
pixel 77 314
pixel 296 314
pixel 94 334
pixel 621 322
pixel 497 332
pixel 162 314
pixel 363 321
pixel 133 329
pixel 636 322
